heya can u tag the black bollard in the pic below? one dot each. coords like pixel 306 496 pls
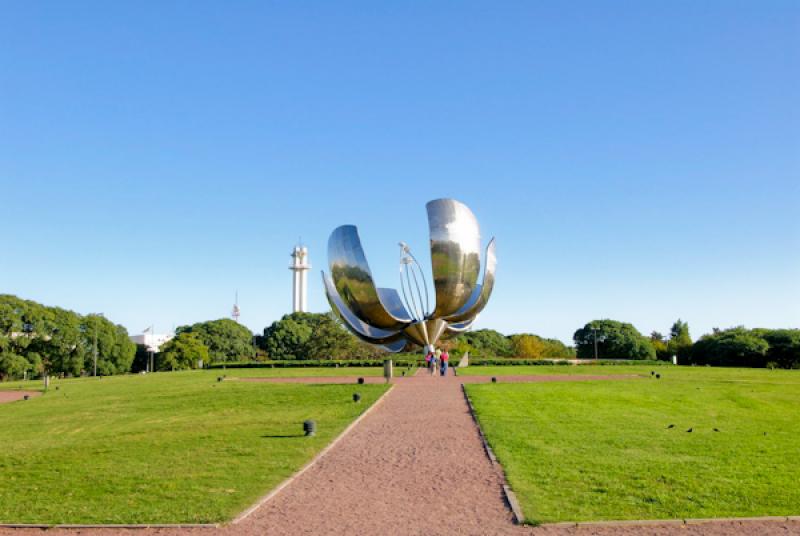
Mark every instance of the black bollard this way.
pixel 310 427
pixel 494 379
pixel 361 381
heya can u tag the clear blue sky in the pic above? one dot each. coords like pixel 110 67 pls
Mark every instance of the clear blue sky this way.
pixel 635 160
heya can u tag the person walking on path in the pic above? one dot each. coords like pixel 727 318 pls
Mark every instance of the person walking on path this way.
pixel 444 359
pixel 434 361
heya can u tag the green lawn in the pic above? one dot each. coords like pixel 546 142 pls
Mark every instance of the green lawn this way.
pixel 298 372
pixel 541 370
pixel 599 450
pixel 161 448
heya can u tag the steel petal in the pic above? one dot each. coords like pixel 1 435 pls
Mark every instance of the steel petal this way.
pixel 396 346
pixel 361 329
pixel 455 254
pixel 480 295
pixel 353 280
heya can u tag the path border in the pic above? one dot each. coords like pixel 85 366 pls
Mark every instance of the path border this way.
pixel 679 522
pixel 110 526
pixel 508 493
pixel 264 499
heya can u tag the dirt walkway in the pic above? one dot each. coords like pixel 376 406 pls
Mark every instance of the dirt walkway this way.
pixel 415 466
pixel 13 396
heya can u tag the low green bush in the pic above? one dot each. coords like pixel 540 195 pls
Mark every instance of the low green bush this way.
pixel 305 363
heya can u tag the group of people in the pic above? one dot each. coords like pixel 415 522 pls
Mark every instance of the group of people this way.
pixel 437 360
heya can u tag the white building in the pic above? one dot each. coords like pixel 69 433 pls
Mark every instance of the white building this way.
pixel 300 267
pixel 153 341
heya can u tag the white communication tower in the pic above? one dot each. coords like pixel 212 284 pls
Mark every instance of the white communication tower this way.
pixel 236 311
pixel 300 268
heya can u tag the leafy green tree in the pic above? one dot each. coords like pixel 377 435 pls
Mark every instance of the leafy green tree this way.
pixel 735 347
pixel 55 341
pixel 12 365
pixel 226 340
pixel 784 346
pixel 615 340
pixel 313 336
pixel 115 350
pixel 182 352
pixel 680 342
pixel 61 343
pixel 287 338
pixel 487 343
pixel 330 339
pixel 660 345
pixel 527 346
pixel 554 348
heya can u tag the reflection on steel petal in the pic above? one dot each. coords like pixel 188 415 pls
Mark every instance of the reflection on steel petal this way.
pixel 480 297
pixel 391 300
pixel 361 329
pixel 396 346
pixel 455 254
pixel 353 279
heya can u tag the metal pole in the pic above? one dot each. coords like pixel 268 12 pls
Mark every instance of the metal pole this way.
pixel 95 346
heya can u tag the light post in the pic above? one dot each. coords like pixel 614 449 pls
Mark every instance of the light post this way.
pixel 602 338
pixel 96 315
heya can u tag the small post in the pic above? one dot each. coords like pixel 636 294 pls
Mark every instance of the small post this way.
pixel 310 427
pixel 387 369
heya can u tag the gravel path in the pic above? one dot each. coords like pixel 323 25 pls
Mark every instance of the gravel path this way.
pixel 13 396
pixel 415 466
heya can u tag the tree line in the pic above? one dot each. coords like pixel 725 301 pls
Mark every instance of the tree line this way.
pixel 37 339
pixel 733 347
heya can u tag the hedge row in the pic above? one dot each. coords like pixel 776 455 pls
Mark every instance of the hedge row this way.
pixel 407 362
pixel 307 363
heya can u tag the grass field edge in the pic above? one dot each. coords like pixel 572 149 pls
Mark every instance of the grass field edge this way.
pixel 508 493
pixel 688 521
pixel 272 493
pixel 77 526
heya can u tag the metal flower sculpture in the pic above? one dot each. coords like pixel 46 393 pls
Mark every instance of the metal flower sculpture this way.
pixel 389 318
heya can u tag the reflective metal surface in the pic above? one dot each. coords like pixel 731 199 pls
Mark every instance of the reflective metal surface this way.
pixel 359 328
pixel 480 296
pixel 353 280
pixel 390 318
pixel 455 254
